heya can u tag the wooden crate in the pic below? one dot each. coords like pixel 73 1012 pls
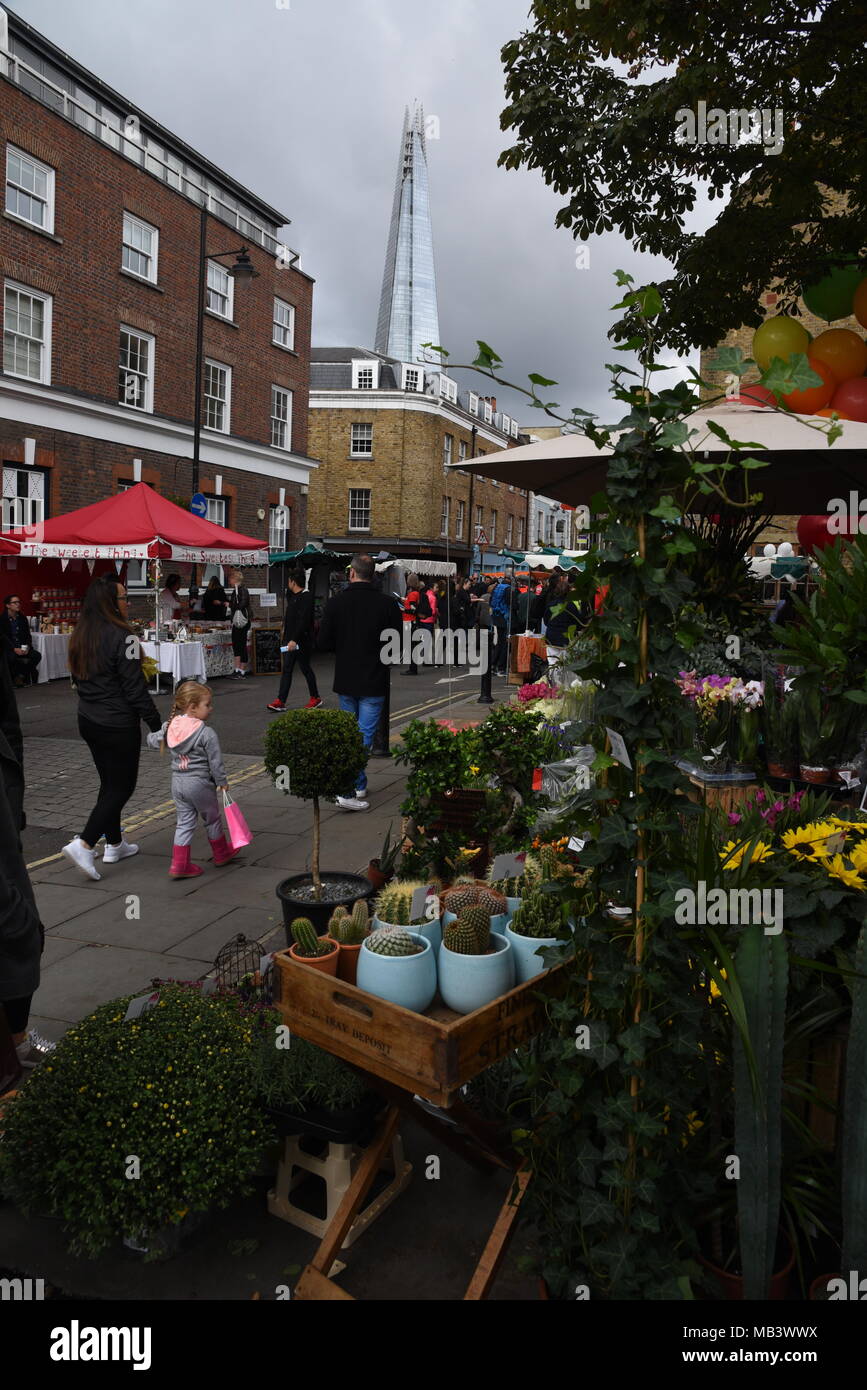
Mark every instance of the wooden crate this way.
pixel 431 1054
pixel 729 796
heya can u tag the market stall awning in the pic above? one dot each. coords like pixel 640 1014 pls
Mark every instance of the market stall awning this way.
pixel 137 524
pixel 310 555
pixel 804 473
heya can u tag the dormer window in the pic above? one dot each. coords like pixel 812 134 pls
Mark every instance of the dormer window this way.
pixel 514 429
pixel 474 403
pixel 365 375
pixel 448 389
pixel 489 412
pixel 413 378
pixel 507 424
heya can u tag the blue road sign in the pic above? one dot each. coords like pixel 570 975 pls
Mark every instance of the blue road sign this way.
pixel 199 505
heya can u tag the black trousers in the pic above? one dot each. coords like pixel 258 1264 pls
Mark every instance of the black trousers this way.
pixel 25 667
pixel 116 754
pixel 17 1013
pixel 302 656
pixel 501 651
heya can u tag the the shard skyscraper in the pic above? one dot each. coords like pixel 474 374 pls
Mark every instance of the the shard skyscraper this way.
pixel 408 308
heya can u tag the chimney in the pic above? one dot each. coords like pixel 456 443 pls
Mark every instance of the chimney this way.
pixel 494 404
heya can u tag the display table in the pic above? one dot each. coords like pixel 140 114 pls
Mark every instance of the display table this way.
pixel 183 661
pixel 54 647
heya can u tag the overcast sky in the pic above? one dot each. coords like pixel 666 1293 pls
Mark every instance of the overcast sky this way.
pixel 303 100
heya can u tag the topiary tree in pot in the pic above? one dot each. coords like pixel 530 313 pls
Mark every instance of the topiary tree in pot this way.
pixel 316 757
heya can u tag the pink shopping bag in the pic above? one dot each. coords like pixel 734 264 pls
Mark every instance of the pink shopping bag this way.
pixel 240 833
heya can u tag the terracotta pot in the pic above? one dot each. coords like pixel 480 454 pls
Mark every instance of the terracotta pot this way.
pixel 347 962
pixel 817 775
pixel 732 1285
pixel 374 875
pixel 327 964
pixel 818 1285
pixel 782 770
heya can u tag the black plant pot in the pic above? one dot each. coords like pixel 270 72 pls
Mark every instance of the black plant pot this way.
pixel 355 1125
pixel 318 913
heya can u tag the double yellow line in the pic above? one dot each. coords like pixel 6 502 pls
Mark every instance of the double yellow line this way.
pixel 166 808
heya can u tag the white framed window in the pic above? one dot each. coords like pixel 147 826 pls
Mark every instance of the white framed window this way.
pixel 221 290
pixel 507 424
pixel 359 509
pixel 140 248
pixel 135 376
pixel 279 526
pixel 284 324
pixel 521 525
pixel 365 375
pixel 493 536
pixel 460 521
pixel 489 412
pixel 462 451
pixel 26 333
pixel 29 189
pixel 361 441
pixel 413 378
pixel 281 418
pixel 23 497
pixel 448 449
pixel 448 389
pixel 479 525
pixel 218 396
pixel 510 528
pixel 445 515
pixel 514 429
pixel 474 403
pixel 218 510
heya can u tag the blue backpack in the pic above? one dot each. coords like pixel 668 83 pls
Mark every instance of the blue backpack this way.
pixel 500 601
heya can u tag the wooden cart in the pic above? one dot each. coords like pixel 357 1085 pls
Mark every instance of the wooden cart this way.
pixel 404 1054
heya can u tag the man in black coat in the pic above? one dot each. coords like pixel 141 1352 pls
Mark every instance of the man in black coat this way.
pixel 18 643
pixel 21 931
pixel 355 626
pixel 297 642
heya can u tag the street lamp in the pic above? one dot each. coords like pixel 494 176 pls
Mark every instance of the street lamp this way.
pixel 242 272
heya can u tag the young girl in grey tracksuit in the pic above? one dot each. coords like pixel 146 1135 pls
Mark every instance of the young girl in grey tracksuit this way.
pixel 197 775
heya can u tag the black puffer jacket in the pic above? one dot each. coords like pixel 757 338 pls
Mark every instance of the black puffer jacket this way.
pixel 115 693
pixel 20 928
pixel 298 620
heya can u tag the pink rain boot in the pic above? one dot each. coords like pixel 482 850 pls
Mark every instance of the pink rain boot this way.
pixel 181 866
pixel 223 851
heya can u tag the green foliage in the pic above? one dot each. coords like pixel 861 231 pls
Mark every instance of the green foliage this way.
pixel 855 1121
pixel 539 915
pixel 779 716
pixel 315 755
pixel 548 860
pixel 307 943
pixel 171 1087
pixel 462 937
pixel 394 904
pixel 594 96
pixel 301 1075
pixel 350 929
pixel 393 943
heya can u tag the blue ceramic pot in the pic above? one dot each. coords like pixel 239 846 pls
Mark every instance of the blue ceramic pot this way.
pixel 469 982
pixel 512 905
pixel 524 948
pixel 431 931
pixel 410 981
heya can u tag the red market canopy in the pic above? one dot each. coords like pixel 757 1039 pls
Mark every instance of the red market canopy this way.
pixel 137 524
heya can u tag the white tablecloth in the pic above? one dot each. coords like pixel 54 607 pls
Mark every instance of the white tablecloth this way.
pixel 182 660
pixel 53 648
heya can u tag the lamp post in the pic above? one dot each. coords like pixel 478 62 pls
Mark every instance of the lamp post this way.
pixel 242 272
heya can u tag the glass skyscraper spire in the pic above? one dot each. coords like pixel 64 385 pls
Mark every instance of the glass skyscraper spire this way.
pixel 408 308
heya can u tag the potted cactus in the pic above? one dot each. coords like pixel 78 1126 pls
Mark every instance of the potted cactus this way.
pixel 349 930
pixel 515 888
pixel 317 758
pixel 470 892
pixel 536 924
pixel 320 953
pixel 398 965
pixel 475 964
pixel 394 909
pixel 381 870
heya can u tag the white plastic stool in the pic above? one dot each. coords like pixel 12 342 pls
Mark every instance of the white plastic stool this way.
pixel 336 1168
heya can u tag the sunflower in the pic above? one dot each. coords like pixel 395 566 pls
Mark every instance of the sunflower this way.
pixel 838 869
pixel 858 857
pixel 849 827
pixel 760 851
pixel 810 841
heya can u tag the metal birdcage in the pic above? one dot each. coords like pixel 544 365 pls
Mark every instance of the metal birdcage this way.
pixel 238 967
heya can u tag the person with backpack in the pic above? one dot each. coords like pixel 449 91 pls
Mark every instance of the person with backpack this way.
pixel 501 609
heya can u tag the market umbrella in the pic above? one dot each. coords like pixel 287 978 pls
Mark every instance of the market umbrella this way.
pixel 804 473
pixel 310 555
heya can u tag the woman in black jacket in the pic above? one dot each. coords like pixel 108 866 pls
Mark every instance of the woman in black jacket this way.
pixel 214 603
pixel 105 664
pixel 241 619
pixel 297 642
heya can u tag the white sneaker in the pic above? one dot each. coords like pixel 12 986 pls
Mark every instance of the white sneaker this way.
pixel 33 1050
pixel 115 852
pixel 352 803
pixel 81 856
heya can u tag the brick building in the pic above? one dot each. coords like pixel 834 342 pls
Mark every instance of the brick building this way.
pixel 385 432
pixel 100 248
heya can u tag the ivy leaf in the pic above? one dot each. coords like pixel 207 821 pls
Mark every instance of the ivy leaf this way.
pixel 538 380
pixel 667 510
pixel 596 1209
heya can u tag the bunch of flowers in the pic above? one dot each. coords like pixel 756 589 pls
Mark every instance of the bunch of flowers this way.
pixel 726 706
pixel 540 691
pixel 837 846
pixel 707 692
